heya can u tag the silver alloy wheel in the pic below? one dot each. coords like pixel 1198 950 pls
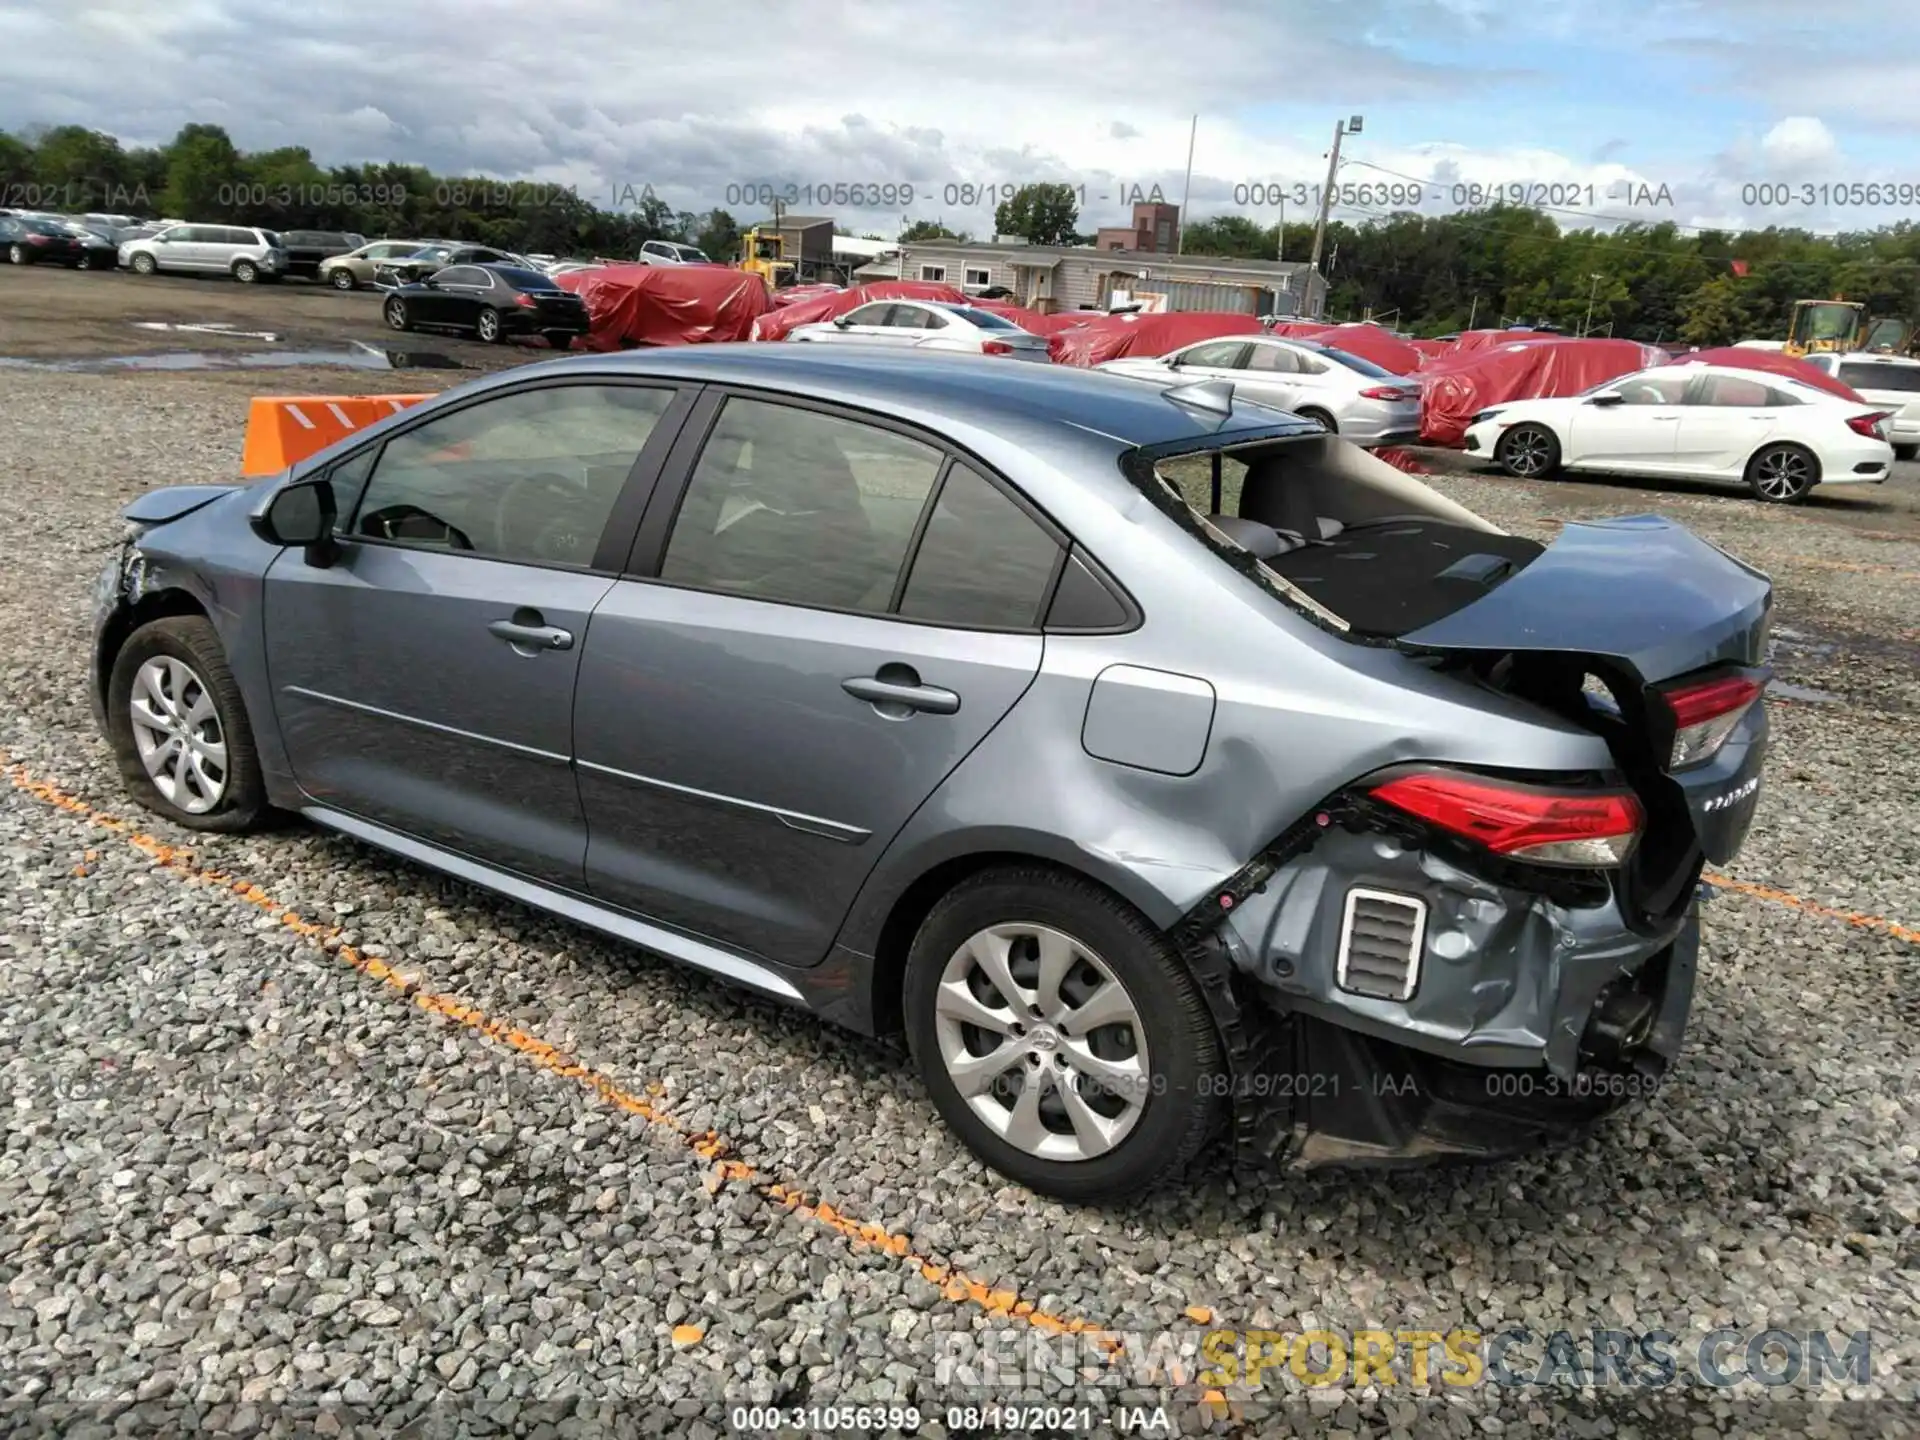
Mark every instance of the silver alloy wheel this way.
pixel 489 326
pixel 177 731
pixel 1042 1041
pixel 1527 452
pixel 1783 474
pixel 343 279
pixel 396 313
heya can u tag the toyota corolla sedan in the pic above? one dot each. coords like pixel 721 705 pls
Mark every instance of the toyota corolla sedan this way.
pixel 1147 758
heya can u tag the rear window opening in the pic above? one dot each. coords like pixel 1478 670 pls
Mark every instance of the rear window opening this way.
pixel 1360 546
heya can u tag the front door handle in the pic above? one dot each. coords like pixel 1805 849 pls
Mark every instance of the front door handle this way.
pixel 525 636
pixel 907 693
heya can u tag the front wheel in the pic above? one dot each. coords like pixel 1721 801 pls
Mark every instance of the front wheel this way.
pixel 488 326
pixel 1527 452
pixel 1782 474
pixel 179 728
pixel 17 254
pixel 85 262
pixel 144 264
pixel 343 279
pixel 1061 1036
pixel 395 312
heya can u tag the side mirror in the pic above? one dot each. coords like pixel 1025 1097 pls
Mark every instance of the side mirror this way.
pixel 302 515
pixel 1610 398
pixel 1173 362
pixel 841 322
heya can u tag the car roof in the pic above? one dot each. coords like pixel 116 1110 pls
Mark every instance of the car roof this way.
pixel 969 389
pixel 1857 357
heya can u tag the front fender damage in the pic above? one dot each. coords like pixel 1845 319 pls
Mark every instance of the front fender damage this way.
pixel 1497 1050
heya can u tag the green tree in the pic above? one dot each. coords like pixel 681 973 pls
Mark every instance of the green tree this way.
pixel 1236 237
pixel 203 175
pixel 1040 214
pixel 928 230
pixel 719 236
pixel 1724 310
pixel 84 168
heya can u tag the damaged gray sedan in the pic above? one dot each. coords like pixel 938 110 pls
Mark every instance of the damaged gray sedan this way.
pixel 1155 762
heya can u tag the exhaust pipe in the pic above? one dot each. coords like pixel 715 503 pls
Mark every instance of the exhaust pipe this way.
pixel 1620 1025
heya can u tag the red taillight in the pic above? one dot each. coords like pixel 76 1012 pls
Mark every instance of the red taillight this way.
pixel 995 347
pixel 525 301
pixel 1705 714
pixel 1870 425
pixel 1523 822
pixel 1385 392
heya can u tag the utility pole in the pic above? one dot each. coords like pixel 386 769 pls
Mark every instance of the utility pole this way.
pixel 1180 230
pixel 1340 127
pixel 1591 290
pixel 1473 310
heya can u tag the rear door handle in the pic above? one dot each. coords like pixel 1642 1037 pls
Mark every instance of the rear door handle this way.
pixel 531 636
pixel 928 698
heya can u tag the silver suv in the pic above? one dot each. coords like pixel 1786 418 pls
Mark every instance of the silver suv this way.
pixel 245 253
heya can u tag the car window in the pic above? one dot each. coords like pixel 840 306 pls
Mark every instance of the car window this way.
pixel 983 560
pixel 191 234
pixel 461 275
pixel 1273 359
pixel 530 476
pixel 1879 375
pixel 793 505
pixel 1217 354
pixel 985 319
pixel 915 317
pixel 1730 391
pixel 229 235
pixel 1653 392
pixel 869 315
pixel 1358 364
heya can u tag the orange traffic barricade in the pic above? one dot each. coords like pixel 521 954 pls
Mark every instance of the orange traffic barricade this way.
pixel 283 430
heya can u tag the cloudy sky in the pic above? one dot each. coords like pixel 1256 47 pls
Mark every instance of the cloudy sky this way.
pixel 1705 112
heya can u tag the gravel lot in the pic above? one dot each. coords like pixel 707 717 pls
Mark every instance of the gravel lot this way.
pixel 300 1135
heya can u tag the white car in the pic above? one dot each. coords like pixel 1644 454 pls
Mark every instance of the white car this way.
pixel 671 252
pixel 929 325
pixel 1340 392
pixel 1887 382
pixel 241 251
pixel 1774 435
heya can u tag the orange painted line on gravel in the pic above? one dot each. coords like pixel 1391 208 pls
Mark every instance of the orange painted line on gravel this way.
pixel 1813 907
pixel 955 1285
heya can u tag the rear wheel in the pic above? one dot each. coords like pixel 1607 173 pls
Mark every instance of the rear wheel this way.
pixel 1320 418
pixel 1528 452
pixel 246 272
pixel 1060 1035
pixel 1783 474
pixel 395 313
pixel 487 327
pixel 180 730
pixel 17 254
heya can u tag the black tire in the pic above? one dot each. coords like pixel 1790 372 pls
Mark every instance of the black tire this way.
pixel 144 264
pixel 17 255
pixel 560 339
pixel 343 279
pixel 395 314
pixel 1782 474
pixel 85 262
pixel 1186 1074
pixel 1905 452
pixel 192 640
pixel 489 328
pixel 1320 418
pixel 245 271
pixel 1528 451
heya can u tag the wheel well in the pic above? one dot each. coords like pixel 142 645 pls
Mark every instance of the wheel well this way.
pixel 156 605
pixel 913 906
pixel 1307 411
pixel 1805 450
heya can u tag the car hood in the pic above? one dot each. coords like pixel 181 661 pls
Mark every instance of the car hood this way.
pixel 1639 590
pixel 171 502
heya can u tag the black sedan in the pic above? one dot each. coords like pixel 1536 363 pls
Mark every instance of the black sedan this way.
pixel 493 301
pixel 28 241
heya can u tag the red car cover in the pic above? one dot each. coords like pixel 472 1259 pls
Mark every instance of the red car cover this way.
pixel 1471 340
pixel 1432 349
pixel 1454 388
pixel 794 294
pixel 666 304
pixel 1371 342
pixel 778 324
pixel 1118 335
pixel 1774 363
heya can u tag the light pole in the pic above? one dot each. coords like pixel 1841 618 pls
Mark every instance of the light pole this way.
pixel 1180 230
pixel 1591 290
pixel 1350 126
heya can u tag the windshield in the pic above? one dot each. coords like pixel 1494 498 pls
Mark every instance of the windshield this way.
pixel 1358 363
pixel 985 319
pixel 687 252
pixel 1880 375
